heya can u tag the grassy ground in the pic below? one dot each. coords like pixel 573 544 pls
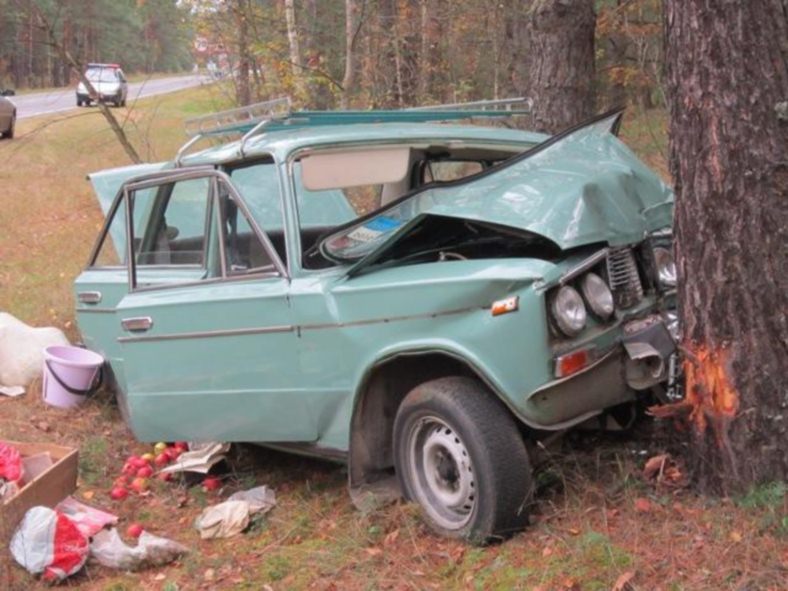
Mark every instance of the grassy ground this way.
pixel 597 522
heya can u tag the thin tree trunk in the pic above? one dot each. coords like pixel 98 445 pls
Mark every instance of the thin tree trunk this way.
pixel 349 79
pixel 559 62
pixel 80 71
pixel 295 50
pixel 727 73
pixel 243 89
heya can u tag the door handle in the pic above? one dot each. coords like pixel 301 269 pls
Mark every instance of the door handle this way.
pixel 137 324
pixel 89 297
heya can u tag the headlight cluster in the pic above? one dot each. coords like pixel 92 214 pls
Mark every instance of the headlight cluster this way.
pixel 666 266
pixel 569 309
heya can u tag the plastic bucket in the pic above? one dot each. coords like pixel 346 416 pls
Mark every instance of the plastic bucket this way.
pixel 70 374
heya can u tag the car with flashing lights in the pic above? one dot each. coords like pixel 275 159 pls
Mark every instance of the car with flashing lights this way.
pixel 7 115
pixel 421 298
pixel 109 85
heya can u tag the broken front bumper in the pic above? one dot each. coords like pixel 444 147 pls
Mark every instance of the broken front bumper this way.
pixel 591 379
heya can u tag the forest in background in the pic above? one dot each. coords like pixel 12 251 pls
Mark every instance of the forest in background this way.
pixel 141 35
pixel 396 53
pixel 335 53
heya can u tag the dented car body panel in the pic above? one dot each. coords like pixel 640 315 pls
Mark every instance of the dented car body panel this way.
pixel 269 347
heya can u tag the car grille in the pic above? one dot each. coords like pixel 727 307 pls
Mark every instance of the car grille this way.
pixel 622 273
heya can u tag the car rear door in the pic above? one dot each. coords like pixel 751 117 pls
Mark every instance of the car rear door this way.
pixel 207 340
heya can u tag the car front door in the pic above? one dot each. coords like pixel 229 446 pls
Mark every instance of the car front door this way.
pixel 207 341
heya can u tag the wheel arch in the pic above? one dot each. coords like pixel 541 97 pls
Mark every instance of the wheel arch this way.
pixel 378 396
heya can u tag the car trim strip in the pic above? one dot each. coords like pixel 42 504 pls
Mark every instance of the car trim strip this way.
pixel 208 333
pixel 97 310
pixel 291 328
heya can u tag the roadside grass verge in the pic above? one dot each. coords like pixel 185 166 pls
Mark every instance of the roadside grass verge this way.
pixel 595 519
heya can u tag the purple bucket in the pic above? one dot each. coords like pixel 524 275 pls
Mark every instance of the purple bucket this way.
pixel 70 374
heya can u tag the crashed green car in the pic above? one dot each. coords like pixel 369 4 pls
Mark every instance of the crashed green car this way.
pixel 422 299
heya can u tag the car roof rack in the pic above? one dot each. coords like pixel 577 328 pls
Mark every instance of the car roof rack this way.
pixel 276 114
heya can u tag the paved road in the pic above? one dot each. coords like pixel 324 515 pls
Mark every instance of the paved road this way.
pixel 44 103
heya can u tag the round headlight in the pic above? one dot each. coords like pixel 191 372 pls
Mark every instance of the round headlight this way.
pixel 569 311
pixel 666 266
pixel 598 295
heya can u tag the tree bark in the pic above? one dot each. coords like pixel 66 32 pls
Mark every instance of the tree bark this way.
pixel 558 63
pixel 295 51
pixel 727 74
pixel 243 88
pixel 349 78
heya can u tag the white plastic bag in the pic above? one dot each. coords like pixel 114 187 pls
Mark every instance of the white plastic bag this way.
pixel 223 520
pixel 48 542
pixel 22 349
pixel 109 550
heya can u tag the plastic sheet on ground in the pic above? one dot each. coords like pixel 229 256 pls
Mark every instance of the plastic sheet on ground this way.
pixel 201 459
pixel 233 515
pixel 109 550
pixel 48 542
pixel 88 520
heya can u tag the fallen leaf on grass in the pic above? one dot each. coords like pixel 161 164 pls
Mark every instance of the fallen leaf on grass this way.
pixel 88 494
pixel 622 582
pixel 642 505
pixel 574 531
pixel 662 469
pixel 373 551
pixel 547 551
pixel 391 537
pixel 735 536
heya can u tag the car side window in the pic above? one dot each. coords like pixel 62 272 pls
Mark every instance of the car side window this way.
pixel 112 251
pixel 244 253
pixel 170 223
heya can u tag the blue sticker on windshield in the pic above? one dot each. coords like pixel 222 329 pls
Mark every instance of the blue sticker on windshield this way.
pixel 382 224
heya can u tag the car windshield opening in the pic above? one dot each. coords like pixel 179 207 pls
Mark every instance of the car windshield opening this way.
pixel 102 75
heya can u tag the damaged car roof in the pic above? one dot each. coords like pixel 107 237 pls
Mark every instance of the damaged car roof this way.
pixel 579 187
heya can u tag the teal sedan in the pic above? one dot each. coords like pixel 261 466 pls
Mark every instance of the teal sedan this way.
pixel 421 299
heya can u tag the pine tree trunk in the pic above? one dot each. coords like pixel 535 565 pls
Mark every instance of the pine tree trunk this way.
pixel 558 62
pixel 727 72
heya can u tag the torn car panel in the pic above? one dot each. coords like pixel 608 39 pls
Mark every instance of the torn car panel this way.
pixel 577 188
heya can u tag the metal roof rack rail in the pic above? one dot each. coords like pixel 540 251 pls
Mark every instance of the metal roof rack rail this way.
pixel 520 105
pixel 248 120
pixel 229 121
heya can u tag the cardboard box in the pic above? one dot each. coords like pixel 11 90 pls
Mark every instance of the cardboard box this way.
pixel 48 488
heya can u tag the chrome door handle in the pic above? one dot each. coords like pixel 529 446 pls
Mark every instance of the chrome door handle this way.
pixel 89 297
pixel 137 324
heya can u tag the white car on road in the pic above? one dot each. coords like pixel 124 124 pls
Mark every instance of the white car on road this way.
pixel 109 83
pixel 7 116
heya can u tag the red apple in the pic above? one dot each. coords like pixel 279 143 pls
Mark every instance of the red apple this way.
pixel 162 459
pixel 164 476
pixel 136 461
pixel 211 483
pixel 145 472
pixel 173 452
pixel 118 493
pixel 139 485
pixel 129 469
pixel 182 445
pixel 121 481
pixel 134 530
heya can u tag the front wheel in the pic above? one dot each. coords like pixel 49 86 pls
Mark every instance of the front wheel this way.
pixel 459 455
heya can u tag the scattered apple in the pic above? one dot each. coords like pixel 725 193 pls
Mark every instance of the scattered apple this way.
pixel 118 493
pixel 145 472
pixel 162 459
pixel 147 458
pixel 139 485
pixel 173 452
pixel 121 481
pixel 182 445
pixel 211 483
pixel 134 530
pixel 159 447
pixel 164 476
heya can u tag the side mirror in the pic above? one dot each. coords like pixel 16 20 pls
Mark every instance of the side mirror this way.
pixel 7 92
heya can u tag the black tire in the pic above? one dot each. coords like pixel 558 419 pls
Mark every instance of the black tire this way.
pixel 480 500
pixel 10 133
pixel 79 102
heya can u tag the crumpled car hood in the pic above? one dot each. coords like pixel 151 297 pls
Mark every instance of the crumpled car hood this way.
pixel 580 187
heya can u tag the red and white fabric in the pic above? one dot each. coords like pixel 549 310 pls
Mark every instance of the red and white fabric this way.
pixel 48 542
